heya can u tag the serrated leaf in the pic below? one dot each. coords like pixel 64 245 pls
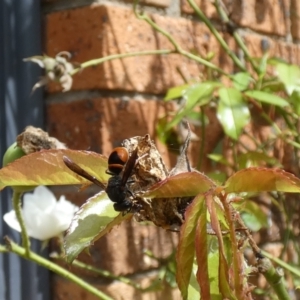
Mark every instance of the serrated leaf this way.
pixel 233 113
pixel 262 179
pixel 186 246
pixel 95 218
pixel 47 168
pixel 181 185
pixel 241 80
pixel 267 98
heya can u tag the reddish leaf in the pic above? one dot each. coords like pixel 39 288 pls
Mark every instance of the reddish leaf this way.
pixel 262 179
pixel 47 168
pixel 202 254
pixel 181 185
pixel 186 247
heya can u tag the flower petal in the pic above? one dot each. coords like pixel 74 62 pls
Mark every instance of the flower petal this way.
pixel 44 227
pixel 44 217
pixel 11 220
pixel 41 197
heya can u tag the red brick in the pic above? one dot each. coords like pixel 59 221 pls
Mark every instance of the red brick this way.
pixel 93 32
pixel 100 124
pixel 295 19
pixel 158 3
pixel 206 7
pixel 186 8
pixel 287 51
pixel 66 290
pixel 267 16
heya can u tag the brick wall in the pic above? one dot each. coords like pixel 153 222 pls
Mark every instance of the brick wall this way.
pixel 122 98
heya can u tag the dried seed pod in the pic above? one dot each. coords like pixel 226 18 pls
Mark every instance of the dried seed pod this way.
pixel 35 139
pixel 150 169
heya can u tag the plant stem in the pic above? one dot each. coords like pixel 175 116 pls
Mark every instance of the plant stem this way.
pixel 13 247
pixel 282 264
pixel 101 272
pixel 202 144
pixel 101 60
pixel 217 35
pixel 177 47
pixel 18 210
pixel 274 278
pixel 236 36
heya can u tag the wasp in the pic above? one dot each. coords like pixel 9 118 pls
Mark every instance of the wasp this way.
pixel 120 167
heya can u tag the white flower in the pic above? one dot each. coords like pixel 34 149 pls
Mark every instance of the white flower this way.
pixel 44 217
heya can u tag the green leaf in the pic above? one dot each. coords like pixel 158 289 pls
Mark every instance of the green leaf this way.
pixel 224 274
pixel 253 216
pixel 262 179
pixel 217 176
pixel 181 185
pixel 213 262
pixel 263 64
pixel 241 80
pixel 219 158
pixel 295 100
pixel 195 95
pixel 233 113
pixel 254 159
pixel 202 251
pixel 267 98
pixel 186 246
pixel 290 76
pixel 175 92
pixel 47 168
pixel 272 85
pixel 199 93
pixel 193 287
pixel 95 218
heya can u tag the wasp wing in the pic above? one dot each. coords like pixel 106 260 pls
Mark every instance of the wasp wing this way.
pixel 129 167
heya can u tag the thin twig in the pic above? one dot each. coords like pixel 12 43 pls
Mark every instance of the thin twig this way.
pixel 236 36
pixel 98 61
pixel 13 247
pixel 18 211
pixel 217 35
pixel 178 49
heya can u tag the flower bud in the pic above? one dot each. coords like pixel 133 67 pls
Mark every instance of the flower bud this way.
pixel 13 153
